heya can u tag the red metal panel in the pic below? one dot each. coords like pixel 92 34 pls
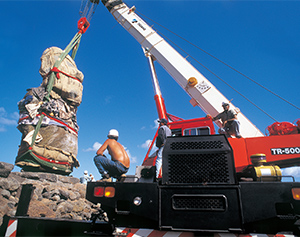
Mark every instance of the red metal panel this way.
pixel 282 150
pixel 240 155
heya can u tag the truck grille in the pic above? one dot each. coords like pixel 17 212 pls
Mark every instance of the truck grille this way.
pixel 196 145
pixel 198 168
pixel 199 203
pixel 198 160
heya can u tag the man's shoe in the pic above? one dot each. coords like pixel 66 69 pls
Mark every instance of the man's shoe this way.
pixel 121 178
pixel 105 180
pixel 105 176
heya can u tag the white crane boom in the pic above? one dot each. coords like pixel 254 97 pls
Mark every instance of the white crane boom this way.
pixel 202 92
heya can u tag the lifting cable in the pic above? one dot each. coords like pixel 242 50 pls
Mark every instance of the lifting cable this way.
pixel 242 74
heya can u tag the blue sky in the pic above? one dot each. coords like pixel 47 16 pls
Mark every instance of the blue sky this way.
pixel 259 38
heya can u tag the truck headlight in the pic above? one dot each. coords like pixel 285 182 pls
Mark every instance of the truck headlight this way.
pixel 137 201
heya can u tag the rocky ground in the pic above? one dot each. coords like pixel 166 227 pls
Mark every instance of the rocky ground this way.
pixel 54 196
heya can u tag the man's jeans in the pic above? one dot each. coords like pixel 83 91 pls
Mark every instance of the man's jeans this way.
pixel 232 129
pixel 158 162
pixel 112 168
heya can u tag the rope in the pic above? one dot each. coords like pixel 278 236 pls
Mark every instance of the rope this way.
pixel 225 65
pixel 49 160
pixel 50 117
pixel 57 71
pixel 59 121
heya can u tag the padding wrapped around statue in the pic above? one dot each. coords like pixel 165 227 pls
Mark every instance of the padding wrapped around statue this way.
pixel 68 81
pixel 47 117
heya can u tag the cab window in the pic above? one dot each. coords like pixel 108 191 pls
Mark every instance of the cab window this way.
pixel 176 132
pixel 196 131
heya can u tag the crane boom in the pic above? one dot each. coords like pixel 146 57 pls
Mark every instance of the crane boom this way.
pixel 203 93
pixel 159 101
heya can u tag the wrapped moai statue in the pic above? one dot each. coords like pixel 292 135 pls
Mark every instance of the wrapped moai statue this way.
pixel 47 117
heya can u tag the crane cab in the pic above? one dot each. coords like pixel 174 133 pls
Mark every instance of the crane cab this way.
pixel 182 127
pixel 198 126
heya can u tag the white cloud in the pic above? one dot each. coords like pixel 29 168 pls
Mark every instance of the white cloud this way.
pixel 156 124
pixel 15 115
pixel 95 147
pixel 146 144
pixel 7 119
pixel 291 171
pixel 133 159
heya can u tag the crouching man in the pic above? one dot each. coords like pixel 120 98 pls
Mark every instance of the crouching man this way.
pixel 119 162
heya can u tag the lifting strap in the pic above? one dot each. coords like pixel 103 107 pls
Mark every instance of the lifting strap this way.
pixel 54 73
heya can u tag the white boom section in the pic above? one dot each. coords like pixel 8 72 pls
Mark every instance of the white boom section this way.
pixel 202 92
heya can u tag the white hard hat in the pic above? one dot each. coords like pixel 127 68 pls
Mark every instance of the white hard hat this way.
pixel 85 172
pixel 113 133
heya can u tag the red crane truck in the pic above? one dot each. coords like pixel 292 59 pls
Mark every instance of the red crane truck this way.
pixel 209 183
